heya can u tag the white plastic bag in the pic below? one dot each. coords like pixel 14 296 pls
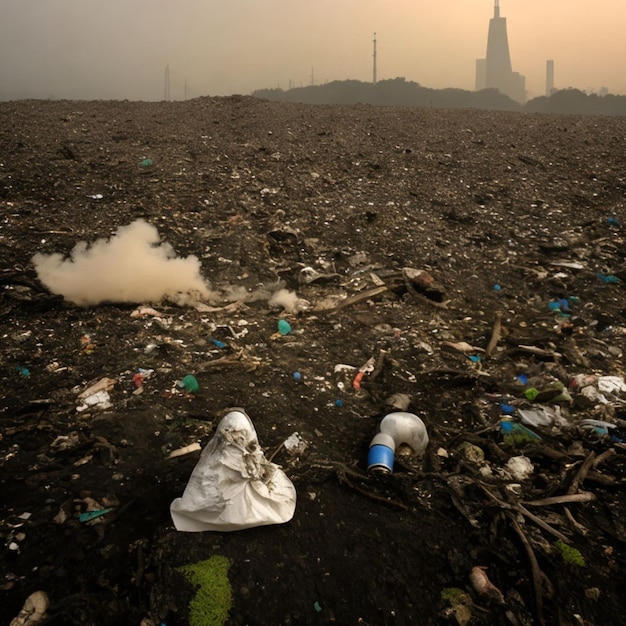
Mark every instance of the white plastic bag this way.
pixel 234 486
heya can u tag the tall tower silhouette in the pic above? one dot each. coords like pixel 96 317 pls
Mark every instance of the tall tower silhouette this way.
pixel 549 77
pixel 495 71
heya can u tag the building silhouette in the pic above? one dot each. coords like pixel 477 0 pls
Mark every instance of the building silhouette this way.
pixel 495 71
pixel 549 78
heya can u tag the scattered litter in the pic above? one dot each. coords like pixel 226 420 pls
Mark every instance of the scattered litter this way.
pixel 517 434
pixel 520 468
pixel 599 427
pixel 399 432
pixel 294 444
pixel 104 384
pixel 461 346
pixel 398 402
pixel 146 311
pixel 99 399
pixel 539 416
pixel 554 392
pixel 284 327
pixel 34 610
pixel 87 516
pixel 189 383
pixel 366 368
pixel 611 384
pixel 234 486
pixel 507 409
pixel 192 447
pixel 608 278
pixel 483 586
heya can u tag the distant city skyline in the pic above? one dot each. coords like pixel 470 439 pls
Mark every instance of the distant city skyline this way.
pixel 120 50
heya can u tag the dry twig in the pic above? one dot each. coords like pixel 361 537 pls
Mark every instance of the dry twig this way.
pixel 582 473
pixel 537 574
pixel 495 334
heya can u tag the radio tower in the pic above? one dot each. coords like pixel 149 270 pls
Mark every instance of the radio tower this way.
pixel 374 69
pixel 167 83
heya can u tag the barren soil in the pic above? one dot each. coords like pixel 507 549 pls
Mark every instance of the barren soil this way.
pixel 508 213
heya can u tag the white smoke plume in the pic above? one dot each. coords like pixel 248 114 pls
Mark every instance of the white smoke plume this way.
pixel 132 266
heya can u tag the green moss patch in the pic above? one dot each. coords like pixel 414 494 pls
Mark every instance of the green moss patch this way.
pixel 214 599
pixel 570 555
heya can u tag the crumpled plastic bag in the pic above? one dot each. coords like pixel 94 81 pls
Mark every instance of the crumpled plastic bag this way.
pixel 234 486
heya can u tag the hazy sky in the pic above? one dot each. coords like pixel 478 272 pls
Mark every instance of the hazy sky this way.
pixel 119 49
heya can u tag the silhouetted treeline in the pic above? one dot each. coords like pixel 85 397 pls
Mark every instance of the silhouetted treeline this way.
pixel 399 92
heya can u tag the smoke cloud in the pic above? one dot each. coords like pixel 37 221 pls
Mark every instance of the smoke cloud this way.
pixel 132 266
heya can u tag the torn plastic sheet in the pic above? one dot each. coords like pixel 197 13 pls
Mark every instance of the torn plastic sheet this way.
pixel 100 399
pixel 611 384
pixel 539 416
pixel 234 486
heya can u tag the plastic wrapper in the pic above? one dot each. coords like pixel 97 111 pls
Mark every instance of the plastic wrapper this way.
pixel 233 485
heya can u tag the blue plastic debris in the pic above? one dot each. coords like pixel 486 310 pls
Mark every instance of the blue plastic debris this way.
pixel 516 433
pixel 608 278
pixel 599 427
pixel 219 344
pixel 507 409
pixel 284 327
pixel 89 515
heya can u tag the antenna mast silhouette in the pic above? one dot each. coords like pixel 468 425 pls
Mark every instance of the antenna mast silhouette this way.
pixel 374 69
pixel 167 83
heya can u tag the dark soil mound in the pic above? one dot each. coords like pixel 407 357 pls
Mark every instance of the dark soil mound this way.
pixel 518 221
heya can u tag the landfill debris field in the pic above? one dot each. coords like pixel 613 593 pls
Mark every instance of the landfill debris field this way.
pixel 446 285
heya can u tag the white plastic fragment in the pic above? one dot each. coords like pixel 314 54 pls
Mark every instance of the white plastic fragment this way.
pixel 593 394
pixel 234 486
pixel 104 384
pixel 294 444
pixel 96 395
pixel 146 311
pixel 399 433
pixel 100 399
pixel 520 467
pixel 539 416
pixel 611 384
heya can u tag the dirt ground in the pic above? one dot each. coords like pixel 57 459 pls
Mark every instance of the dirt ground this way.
pixel 518 219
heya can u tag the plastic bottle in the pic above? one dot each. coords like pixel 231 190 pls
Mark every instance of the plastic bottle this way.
pixel 396 429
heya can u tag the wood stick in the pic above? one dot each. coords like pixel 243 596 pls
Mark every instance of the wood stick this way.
pixel 495 334
pixel 541 523
pixel 537 574
pixel 583 496
pixel 582 473
pixel 572 520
